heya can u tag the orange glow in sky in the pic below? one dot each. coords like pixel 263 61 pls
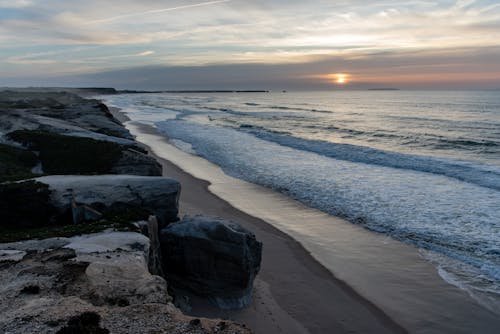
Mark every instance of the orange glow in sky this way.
pixel 351 44
pixel 340 78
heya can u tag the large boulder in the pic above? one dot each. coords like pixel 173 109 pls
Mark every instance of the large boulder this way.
pixel 115 193
pixel 212 257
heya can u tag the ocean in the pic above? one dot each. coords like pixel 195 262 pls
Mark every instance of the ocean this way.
pixel 422 167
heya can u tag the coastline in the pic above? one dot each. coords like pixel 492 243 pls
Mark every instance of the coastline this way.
pixel 293 292
pixel 79 232
pixel 440 304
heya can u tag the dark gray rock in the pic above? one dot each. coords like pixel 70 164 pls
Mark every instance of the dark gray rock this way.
pixel 133 162
pixel 25 205
pixel 57 112
pixel 211 257
pixel 115 193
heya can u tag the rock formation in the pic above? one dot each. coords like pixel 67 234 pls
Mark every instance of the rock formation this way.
pixel 70 135
pixel 57 199
pixel 98 282
pixel 109 193
pixel 112 281
pixel 212 257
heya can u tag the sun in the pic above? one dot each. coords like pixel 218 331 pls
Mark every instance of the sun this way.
pixel 340 78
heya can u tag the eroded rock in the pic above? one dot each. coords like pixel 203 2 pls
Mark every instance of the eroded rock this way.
pixel 133 162
pixel 213 257
pixel 98 283
pixel 108 193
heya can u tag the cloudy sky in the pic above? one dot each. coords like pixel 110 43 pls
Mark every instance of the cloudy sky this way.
pixel 259 44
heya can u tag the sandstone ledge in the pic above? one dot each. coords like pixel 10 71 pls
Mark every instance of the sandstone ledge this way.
pixel 104 274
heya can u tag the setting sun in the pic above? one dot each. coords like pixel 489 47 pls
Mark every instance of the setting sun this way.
pixel 340 78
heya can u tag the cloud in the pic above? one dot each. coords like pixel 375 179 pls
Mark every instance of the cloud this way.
pixel 98 36
pixel 14 3
pixel 146 53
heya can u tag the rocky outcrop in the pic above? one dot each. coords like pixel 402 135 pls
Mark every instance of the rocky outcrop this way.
pixel 98 282
pixel 60 199
pixel 78 153
pixel 69 134
pixel 133 162
pixel 212 257
pixel 115 194
pixel 109 282
pixel 56 112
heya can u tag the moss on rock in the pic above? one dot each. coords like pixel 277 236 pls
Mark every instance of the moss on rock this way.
pixel 16 163
pixel 69 230
pixel 25 204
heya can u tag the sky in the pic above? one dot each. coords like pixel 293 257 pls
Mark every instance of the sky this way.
pixel 259 44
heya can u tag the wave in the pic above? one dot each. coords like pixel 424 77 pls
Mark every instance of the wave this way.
pixel 468 143
pixel 253 104
pixel 301 109
pixel 462 171
pixel 430 210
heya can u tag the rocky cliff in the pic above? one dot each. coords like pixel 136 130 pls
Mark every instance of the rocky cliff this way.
pixel 75 191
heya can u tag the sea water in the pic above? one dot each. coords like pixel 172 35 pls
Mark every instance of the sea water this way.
pixel 422 167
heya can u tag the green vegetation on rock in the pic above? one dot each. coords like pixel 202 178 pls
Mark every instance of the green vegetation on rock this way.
pixel 70 230
pixel 16 163
pixel 61 154
pixel 25 204
pixel 26 213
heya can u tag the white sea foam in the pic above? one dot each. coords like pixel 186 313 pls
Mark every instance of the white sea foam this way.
pixel 422 167
pixel 486 176
pixel 436 212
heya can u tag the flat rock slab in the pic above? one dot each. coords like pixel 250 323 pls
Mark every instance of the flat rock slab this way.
pixel 11 255
pixel 36 245
pixel 109 242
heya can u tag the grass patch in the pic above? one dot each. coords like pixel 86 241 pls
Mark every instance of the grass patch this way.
pixel 12 235
pixel 70 155
pixel 16 163
pixel 121 220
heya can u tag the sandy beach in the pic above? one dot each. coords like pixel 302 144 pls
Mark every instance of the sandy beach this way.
pixel 379 286
pixel 293 292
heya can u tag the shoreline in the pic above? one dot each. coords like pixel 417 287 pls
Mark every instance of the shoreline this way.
pixel 442 309
pixel 279 292
pixel 79 241
pixel 280 296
